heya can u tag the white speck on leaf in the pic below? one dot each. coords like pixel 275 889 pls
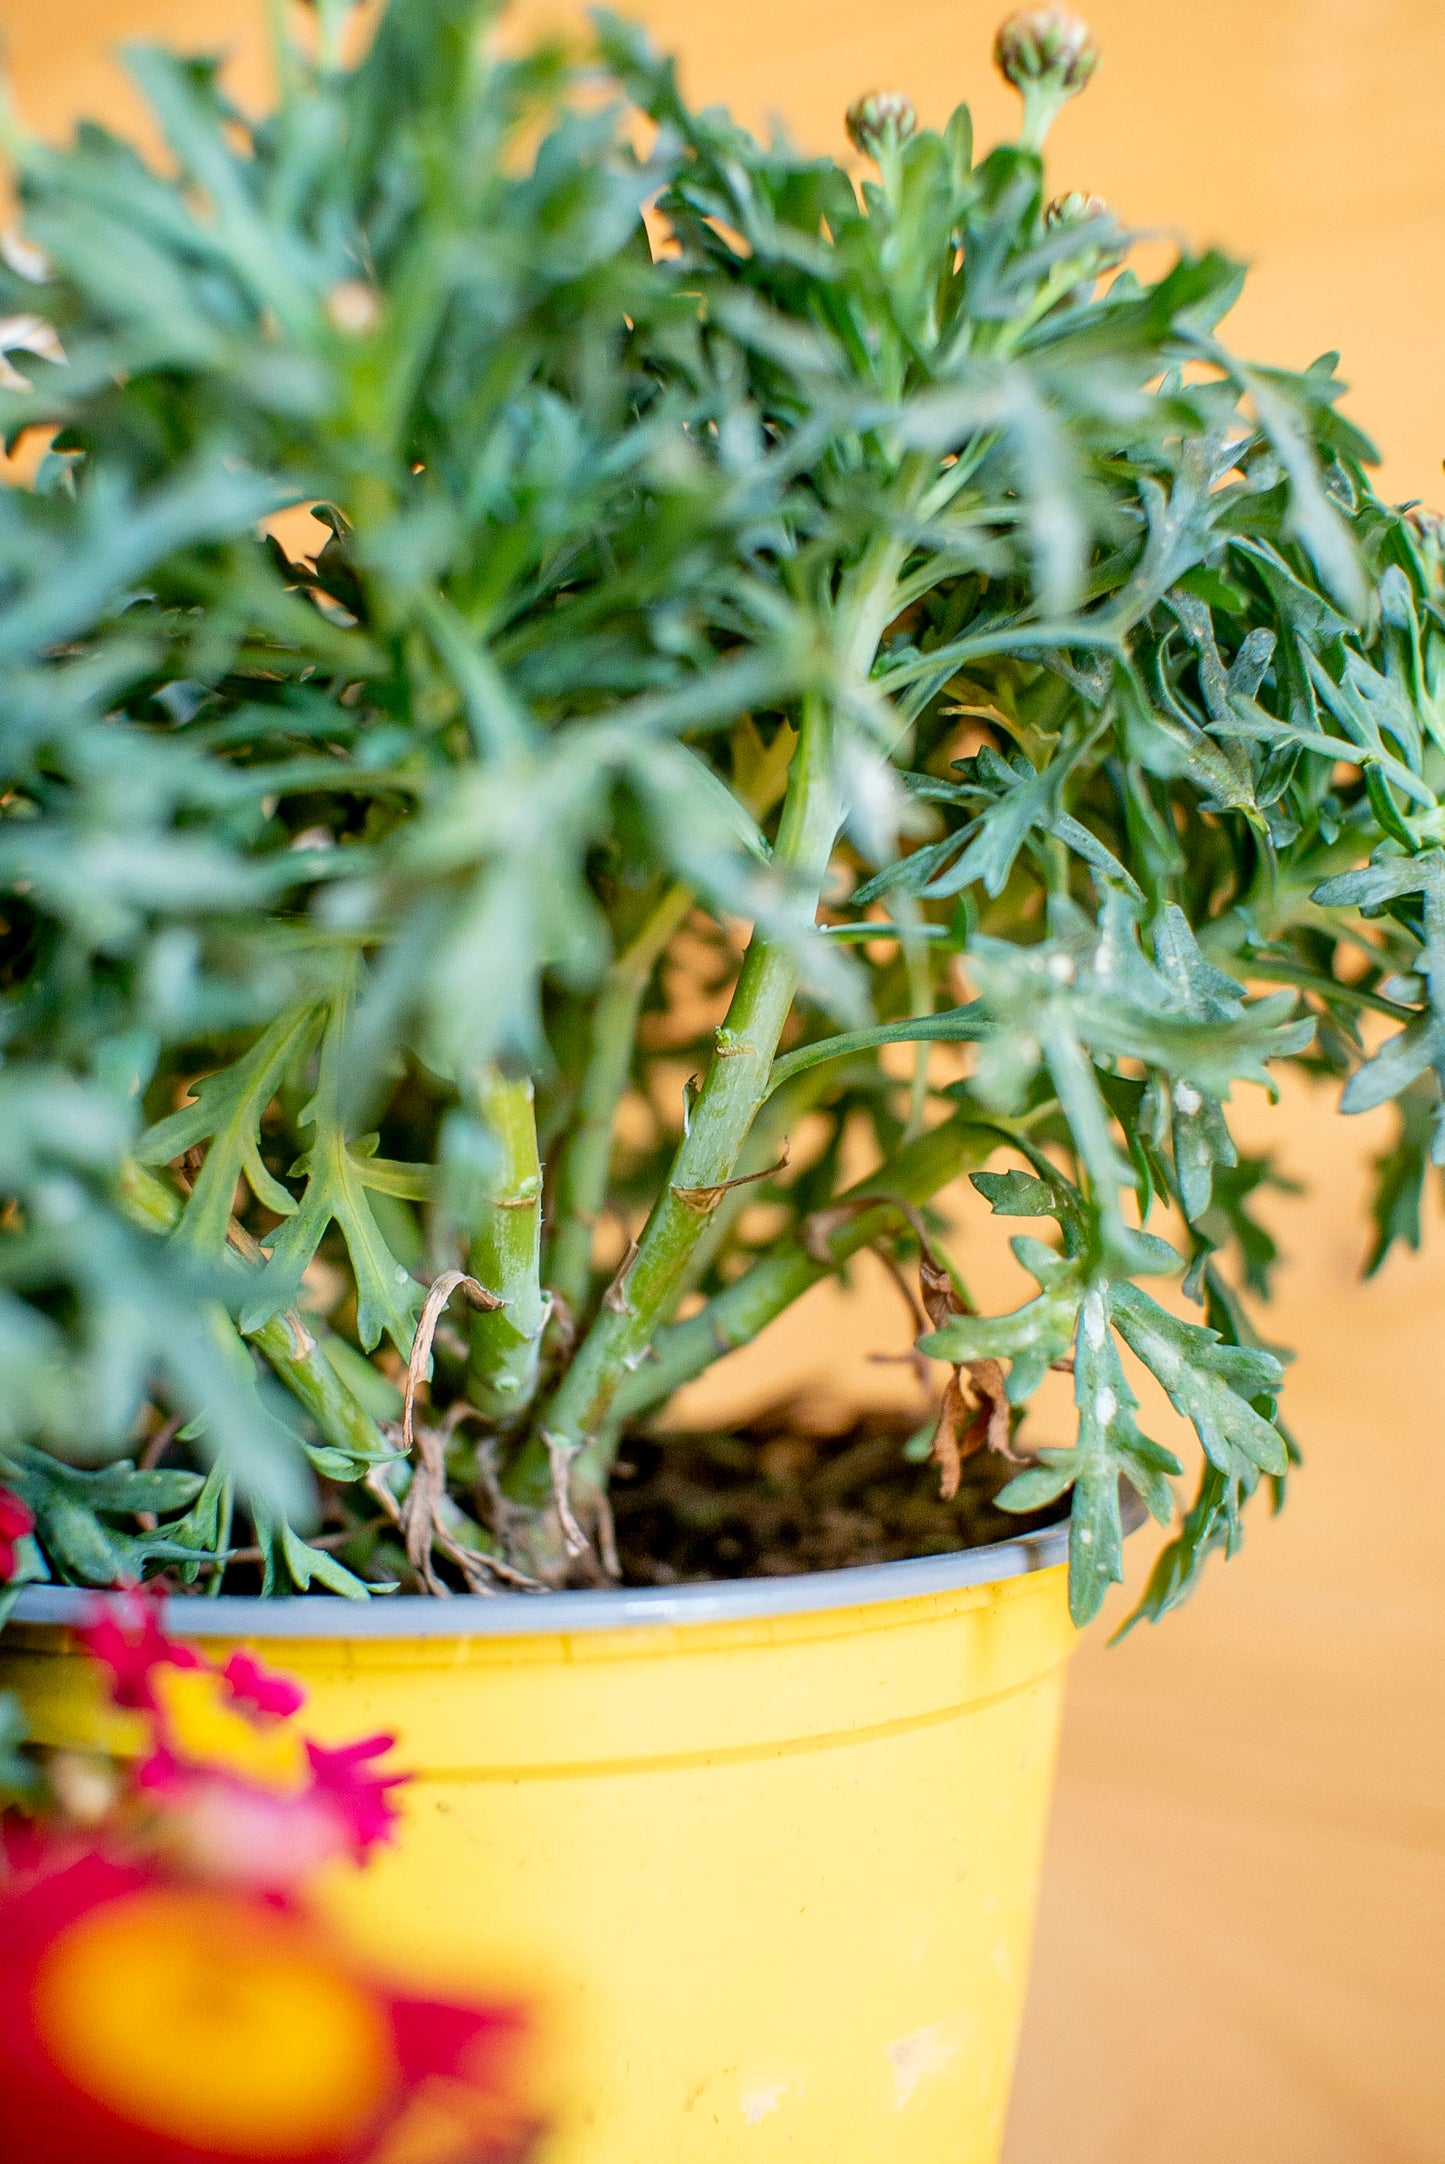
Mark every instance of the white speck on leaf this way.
pixel 1187 1097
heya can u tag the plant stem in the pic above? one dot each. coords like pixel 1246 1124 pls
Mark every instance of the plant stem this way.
pixel 770 1130
pixel 582 1180
pixel 737 1077
pixel 734 1087
pixel 735 1316
pixel 920 1002
pixel 506 1255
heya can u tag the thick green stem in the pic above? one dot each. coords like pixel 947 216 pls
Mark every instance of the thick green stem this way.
pixel 920 1002
pixel 587 1156
pixel 736 1315
pixel 771 1129
pixel 737 1078
pixel 735 1086
pixel 506 1255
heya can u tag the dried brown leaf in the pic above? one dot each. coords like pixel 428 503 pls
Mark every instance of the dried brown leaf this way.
pixel 560 1456
pixel 420 1511
pixel 816 1232
pixel 704 1200
pixel 947 1450
pixel 987 1379
pixel 437 1297
pixel 935 1282
pixel 975 1416
pixel 615 1296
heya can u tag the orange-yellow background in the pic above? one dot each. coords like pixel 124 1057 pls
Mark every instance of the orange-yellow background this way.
pixel 1241 1946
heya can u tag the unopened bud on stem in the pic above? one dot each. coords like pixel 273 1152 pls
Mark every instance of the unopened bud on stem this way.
pixel 1048 55
pixel 1104 248
pixel 1107 244
pixel 881 123
pixel 1075 208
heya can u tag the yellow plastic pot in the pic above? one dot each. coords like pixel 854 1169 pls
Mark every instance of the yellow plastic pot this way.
pixel 765 1854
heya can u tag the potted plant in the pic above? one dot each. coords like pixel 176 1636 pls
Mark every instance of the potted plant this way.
pixel 751 619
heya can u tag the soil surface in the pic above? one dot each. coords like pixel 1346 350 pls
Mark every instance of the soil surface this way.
pixel 766 1501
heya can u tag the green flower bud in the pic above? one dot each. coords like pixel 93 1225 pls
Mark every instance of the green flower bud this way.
pixel 1048 55
pixel 881 123
pixel 1046 45
pixel 1427 525
pixel 1075 208
pixel 1428 528
pixel 1098 252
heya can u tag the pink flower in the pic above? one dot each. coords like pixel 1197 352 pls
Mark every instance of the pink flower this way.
pixel 236 1832
pixel 15 1522
pixel 238 1793
pixel 360 1798
pixel 124 1635
pixel 269 1835
pixel 261 1689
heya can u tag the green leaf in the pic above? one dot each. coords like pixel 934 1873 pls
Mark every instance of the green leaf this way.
pixel 1032 1338
pixel 1041 1483
pixel 291 1565
pixel 227 1112
pixel 1214 1385
pixel 1229 1218
pixel 1211 1525
pixel 1017 1194
pixel 1400 1177
pixel 337 1174
pixel 206 1527
pixel 1110 1448
pixel 958 1025
pixel 81 1516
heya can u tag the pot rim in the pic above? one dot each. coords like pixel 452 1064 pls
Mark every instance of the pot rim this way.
pixel 523 1615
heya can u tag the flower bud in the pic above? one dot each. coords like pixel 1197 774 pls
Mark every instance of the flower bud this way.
pixel 1048 55
pixel 1102 251
pixel 1075 208
pixel 1046 46
pixel 1428 528
pixel 881 123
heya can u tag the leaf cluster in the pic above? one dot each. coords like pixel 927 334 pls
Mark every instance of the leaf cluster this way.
pixel 698 540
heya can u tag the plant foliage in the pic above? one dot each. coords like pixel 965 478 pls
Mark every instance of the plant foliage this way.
pixel 705 540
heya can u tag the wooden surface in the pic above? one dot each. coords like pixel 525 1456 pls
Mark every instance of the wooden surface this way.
pixel 1240 1953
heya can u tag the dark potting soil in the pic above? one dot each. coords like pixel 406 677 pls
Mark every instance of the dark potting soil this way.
pixel 767 1501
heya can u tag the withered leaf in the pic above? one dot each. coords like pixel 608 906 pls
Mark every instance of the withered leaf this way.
pixel 704 1200
pixel 974 1416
